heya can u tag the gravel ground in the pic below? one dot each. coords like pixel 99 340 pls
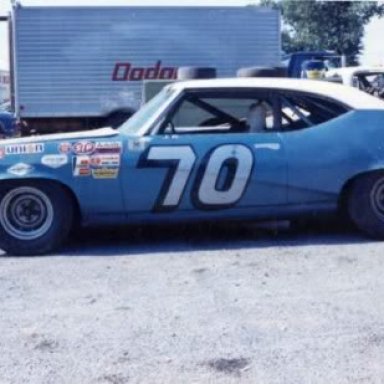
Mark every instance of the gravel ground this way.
pixel 220 304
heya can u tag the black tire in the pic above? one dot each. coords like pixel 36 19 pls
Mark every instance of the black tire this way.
pixel 281 71
pixel 366 204
pixel 262 72
pixel 189 73
pixel 117 118
pixel 35 217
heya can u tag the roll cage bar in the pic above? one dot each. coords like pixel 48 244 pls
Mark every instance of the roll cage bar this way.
pixel 277 100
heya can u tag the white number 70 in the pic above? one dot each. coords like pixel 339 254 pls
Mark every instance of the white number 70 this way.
pixel 221 179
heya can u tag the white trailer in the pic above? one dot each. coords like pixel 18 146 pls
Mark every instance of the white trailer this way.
pixel 77 67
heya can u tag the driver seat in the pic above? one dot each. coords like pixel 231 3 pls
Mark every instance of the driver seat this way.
pixel 257 118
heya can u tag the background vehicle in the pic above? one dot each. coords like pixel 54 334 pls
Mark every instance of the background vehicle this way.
pixel 313 69
pixel 75 68
pixel 366 78
pixel 196 152
pixel 294 61
pixel 8 124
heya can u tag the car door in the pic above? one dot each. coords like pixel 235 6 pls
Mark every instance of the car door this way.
pixel 201 168
pixel 314 136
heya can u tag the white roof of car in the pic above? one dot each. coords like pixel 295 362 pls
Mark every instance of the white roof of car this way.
pixel 357 69
pixel 347 95
pixel 347 73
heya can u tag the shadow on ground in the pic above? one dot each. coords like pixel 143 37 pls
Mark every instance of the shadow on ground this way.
pixel 207 236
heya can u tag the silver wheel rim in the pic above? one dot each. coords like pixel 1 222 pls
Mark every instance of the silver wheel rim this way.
pixel 26 213
pixel 377 199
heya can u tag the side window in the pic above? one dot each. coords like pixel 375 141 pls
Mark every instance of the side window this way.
pixel 190 116
pixel 299 111
pixel 222 111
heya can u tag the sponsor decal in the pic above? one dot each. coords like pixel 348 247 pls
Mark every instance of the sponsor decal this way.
pixel 83 147
pixel 82 166
pixel 83 161
pixel 128 72
pixel 99 161
pixel 54 161
pixel 24 149
pixel 100 166
pixel 83 172
pixel 20 169
pixel 90 147
pixel 65 148
pixel 105 173
pixel 108 147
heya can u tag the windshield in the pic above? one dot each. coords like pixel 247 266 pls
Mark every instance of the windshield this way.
pixel 147 112
pixel 332 62
pixel 314 65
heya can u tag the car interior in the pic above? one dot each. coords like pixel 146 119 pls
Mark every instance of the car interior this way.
pixel 244 112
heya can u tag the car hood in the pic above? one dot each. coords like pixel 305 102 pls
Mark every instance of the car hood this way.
pixel 90 134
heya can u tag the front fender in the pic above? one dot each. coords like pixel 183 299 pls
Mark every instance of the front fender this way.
pixel 92 196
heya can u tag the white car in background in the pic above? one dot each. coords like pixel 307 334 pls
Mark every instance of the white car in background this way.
pixel 369 79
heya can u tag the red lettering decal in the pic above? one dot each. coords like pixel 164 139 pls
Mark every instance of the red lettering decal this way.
pixel 137 74
pixel 121 71
pixel 167 73
pixel 153 73
pixel 127 72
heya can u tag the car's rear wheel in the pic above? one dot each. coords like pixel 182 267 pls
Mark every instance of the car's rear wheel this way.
pixel 35 217
pixel 366 204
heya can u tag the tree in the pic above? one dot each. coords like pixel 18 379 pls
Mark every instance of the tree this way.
pixel 325 25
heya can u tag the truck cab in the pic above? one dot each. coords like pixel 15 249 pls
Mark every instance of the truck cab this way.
pixel 294 61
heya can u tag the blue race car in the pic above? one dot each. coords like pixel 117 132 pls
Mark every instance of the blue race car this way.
pixel 220 149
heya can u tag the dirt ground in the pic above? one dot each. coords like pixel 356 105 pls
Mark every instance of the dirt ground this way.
pixel 213 304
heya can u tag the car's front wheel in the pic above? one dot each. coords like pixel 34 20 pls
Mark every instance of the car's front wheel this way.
pixel 366 204
pixel 35 217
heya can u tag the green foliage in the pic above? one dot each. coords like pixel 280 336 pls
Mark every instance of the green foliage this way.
pixel 325 25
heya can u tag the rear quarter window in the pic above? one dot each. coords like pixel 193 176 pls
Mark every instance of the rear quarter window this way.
pixel 300 111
